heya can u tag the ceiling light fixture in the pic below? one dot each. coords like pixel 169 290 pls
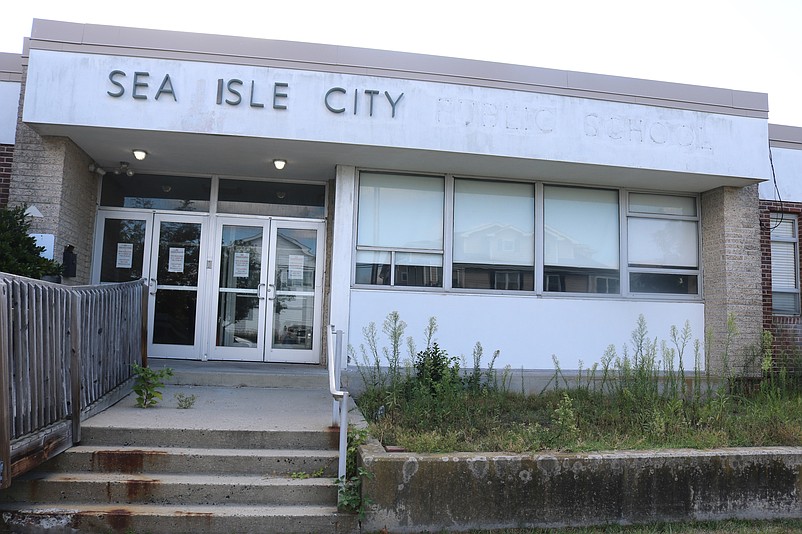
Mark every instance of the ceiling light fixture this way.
pixel 140 154
pixel 124 169
pixel 279 163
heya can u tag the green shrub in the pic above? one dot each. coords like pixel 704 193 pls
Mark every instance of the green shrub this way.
pixel 19 253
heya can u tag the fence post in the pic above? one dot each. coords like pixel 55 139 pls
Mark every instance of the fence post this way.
pixel 144 347
pixel 75 365
pixel 5 369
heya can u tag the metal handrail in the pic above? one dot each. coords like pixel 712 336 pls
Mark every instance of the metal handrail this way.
pixel 339 415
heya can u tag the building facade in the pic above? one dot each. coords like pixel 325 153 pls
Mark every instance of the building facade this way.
pixel 780 209
pixel 288 186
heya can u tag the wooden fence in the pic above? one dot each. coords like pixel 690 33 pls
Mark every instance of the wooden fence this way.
pixel 65 352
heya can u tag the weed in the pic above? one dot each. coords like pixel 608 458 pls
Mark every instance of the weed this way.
pixel 303 475
pixel 185 402
pixel 349 486
pixel 148 384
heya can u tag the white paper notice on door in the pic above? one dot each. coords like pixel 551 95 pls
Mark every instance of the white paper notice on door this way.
pixel 125 255
pixel 175 263
pixel 242 261
pixel 295 266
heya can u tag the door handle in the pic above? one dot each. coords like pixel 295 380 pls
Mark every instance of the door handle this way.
pixel 273 290
pixel 260 291
pixel 152 285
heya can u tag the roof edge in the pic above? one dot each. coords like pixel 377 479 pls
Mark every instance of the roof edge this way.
pixel 164 44
pixel 781 136
pixel 10 67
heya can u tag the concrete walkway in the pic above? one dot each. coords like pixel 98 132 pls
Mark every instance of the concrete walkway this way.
pixel 224 408
pixel 230 396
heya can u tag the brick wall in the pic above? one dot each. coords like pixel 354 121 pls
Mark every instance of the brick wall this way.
pixel 786 329
pixel 6 158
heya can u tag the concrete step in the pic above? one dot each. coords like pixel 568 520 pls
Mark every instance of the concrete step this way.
pixel 267 462
pixel 211 439
pixel 168 519
pixel 243 374
pixel 214 490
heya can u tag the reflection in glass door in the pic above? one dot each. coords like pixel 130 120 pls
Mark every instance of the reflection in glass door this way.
pixel 125 245
pixel 175 279
pixel 268 291
pixel 295 287
pixel 240 289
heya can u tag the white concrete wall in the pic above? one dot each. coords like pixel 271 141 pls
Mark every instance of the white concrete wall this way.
pixel 788 173
pixel 526 329
pixel 9 106
pixel 430 116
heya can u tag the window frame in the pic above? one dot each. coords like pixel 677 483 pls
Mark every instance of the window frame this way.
pixel 399 250
pixel 624 269
pixel 630 269
pixel 794 240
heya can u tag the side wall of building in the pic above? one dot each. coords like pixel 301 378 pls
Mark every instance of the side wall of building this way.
pixel 786 329
pixel 52 173
pixel 782 195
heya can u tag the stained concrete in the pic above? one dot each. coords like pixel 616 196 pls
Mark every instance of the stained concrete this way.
pixel 460 491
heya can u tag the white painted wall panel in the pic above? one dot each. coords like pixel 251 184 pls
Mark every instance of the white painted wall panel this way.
pixel 788 172
pixel 9 107
pixel 71 89
pixel 526 329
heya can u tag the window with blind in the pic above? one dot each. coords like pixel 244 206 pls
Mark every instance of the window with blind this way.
pixel 400 230
pixel 663 244
pixel 580 242
pixel 494 235
pixel 467 234
pixel 784 265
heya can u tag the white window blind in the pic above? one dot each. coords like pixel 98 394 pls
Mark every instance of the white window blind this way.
pixel 581 227
pixel 663 242
pixel 662 204
pixel 784 265
pixel 400 211
pixel 494 223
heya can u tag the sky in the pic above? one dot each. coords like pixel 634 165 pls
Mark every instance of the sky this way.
pixel 748 45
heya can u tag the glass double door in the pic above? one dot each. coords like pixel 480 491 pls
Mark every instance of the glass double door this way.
pixel 268 290
pixel 168 251
pixel 222 287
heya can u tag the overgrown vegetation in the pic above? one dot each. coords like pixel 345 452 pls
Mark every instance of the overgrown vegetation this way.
pixel 349 486
pixel 19 253
pixel 148 384
pixel 785 526
pixel 639 397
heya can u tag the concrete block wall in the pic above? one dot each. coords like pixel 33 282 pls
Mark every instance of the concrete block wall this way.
pixel 6 158
pixel 465 491
pixel 786 329
pixel 52 173
pixel 731 262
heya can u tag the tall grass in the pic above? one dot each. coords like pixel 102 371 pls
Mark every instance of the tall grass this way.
pixel 637 397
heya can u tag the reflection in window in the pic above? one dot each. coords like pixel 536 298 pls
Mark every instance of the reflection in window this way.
pixel 663 244
pixel 156 192
pixel 279 199
pixel 580 245
pixel 494 229
pixel 123 250
pixel 400 230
